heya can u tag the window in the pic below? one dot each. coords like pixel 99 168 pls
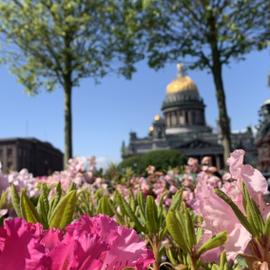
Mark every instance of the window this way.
pixel 10 166
pixel 9 152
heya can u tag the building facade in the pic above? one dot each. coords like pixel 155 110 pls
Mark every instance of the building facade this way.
pixel 39 158
pixel 263 138
pixel 182 126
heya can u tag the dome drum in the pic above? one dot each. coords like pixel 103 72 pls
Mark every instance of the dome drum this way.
pixel 187 104
pixel 178 118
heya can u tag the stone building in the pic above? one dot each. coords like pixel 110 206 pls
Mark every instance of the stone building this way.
pixel 263 138
pixel 183 126
pixel 40 158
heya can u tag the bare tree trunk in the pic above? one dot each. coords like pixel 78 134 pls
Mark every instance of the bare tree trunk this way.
pixel 224 121
pixel 68 122
pixel 216 68
pixel 68 85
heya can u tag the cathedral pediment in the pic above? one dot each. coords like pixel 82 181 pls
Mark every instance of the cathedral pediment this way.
pixel 197 143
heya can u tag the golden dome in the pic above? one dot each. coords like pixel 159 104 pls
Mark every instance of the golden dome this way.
pixel 157 117
pixel 181 83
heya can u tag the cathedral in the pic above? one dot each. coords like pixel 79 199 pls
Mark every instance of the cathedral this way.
pixel 183 126
pixel 263 138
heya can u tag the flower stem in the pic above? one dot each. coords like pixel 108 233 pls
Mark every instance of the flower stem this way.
pixel 193 262
pixel 155 248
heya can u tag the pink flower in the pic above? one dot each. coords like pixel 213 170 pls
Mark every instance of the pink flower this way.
pixel 226 177
pixel 206 161
pixel 145 186
pixel 243 172
pixel 96 243
pixel 255 181
pixel 188 197
pixel 3 182
pixel 19 244
pixel 193 165
pixel 218 216
pixel 85 252
pixel 125 248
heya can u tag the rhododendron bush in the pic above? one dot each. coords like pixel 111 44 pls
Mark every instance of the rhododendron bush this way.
pixel 196 219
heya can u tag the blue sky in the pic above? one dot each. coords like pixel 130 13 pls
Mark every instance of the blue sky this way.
pixel 104 114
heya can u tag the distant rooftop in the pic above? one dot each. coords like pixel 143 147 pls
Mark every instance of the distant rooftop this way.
pixel 28 139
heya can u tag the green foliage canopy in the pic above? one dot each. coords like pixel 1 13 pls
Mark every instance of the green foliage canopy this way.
pixel 47 40
pixel 52 43
pixel 194 29
pixel 161 159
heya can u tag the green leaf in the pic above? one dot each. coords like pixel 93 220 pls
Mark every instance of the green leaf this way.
pixel 189 228
pixel 53 203
pixel 126 209
pixel 151 211
pixel 176 201
pixel 28 210
pixel 141 202
pixel 216 241
pixel 176 231
pixel 42 210
pixel 266 230
pixel 3 199
pixel 170 256
pixel 253 213
pixel 15 200
pixel 215 267
pixel 105 206
pixel 199 234
pixel 45 195
pixel 71 187
pixel 222 261
pixel 63 212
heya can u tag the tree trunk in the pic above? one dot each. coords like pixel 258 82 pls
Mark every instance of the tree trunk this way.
pixel 224 121
pixel 68 121
pixel 216 68
pixel 68 85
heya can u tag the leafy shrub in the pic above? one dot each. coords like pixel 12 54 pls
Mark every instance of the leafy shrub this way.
pixel 162 160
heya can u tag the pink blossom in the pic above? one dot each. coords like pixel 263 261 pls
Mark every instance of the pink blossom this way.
pixel 218 216
pixel 80 171
pixel 24 180
pixel 226 177
pixel 96 243
pixel 206 161
pixel 3 182
pixel 244 172
pixel 255 181
pixel 22 237
pixel 193 165
pixel 145 186
pixel 126 249
pixel 188 197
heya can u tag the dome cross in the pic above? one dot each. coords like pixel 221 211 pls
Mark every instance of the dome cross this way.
pixel 180 70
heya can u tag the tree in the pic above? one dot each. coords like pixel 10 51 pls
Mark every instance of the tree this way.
pixel 162 160
pixel 210 33
pixel 52 43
